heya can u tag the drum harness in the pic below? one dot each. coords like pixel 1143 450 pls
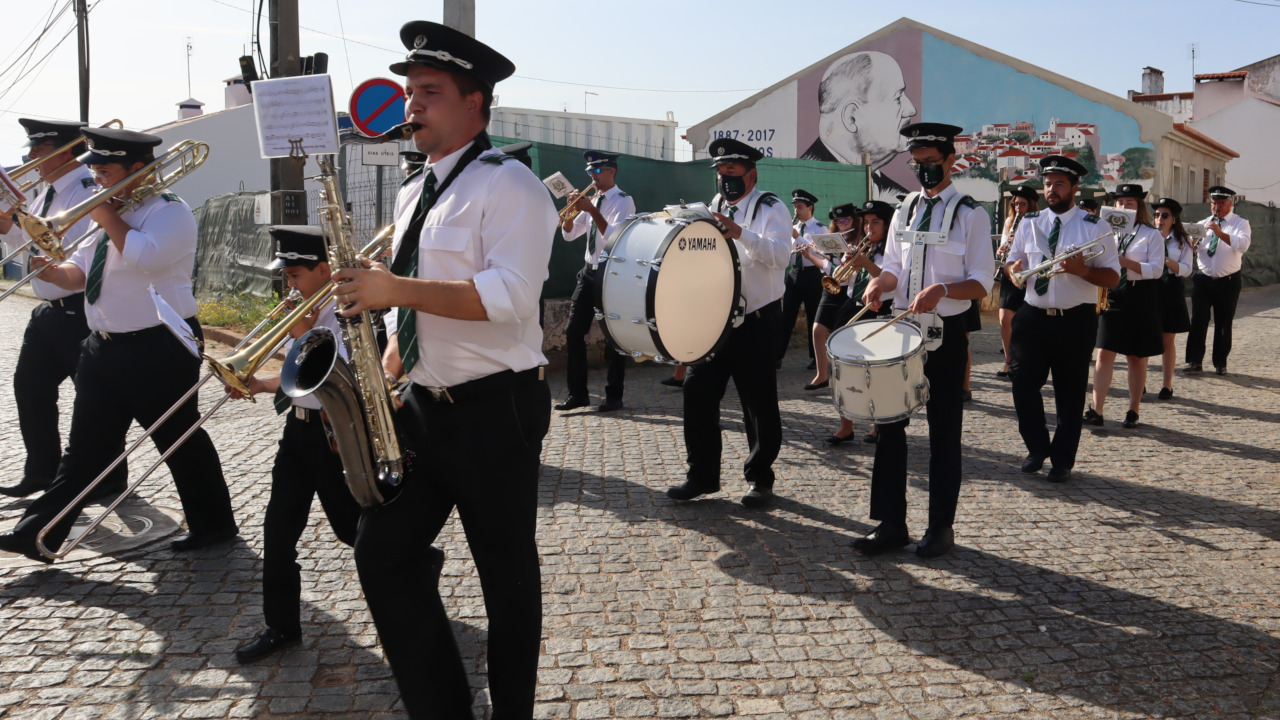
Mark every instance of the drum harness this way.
pixel 740 316
pixel 923 239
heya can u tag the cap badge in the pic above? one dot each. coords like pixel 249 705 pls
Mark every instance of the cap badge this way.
pixel 419 42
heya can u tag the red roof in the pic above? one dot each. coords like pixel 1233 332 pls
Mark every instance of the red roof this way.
pixel 1086 131
pixel 1012 152
pixel 1233 75
pixel 1192 132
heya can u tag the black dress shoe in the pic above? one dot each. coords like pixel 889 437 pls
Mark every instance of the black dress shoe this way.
pixel 1165 393
pixel 1192 368
pixel 609 405
pixel 672 382
pixel 28 486
pixel 270 641
pixel 1032 463
pixel 871 438
pixel 1002 373
pixel 18 545
pixel 1059 475
pixel 1091 417
pixel 1220 370
pixel 936 543
pixel 967 397
pixel 690 490
pixel 817 386
pixel 195 541
pixel 837 440
pixel 1130 419
pixel 758 496
pixel 573 403
pixel 884 538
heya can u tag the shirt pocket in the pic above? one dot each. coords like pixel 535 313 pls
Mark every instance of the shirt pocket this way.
pixel 444 254
pixel 948 261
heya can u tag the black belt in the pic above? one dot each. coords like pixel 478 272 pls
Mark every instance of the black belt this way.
pixel 1061 312
pixel 759 312
pixel 154 331
pixel 480 387
pixel 304 414
pixel 70 302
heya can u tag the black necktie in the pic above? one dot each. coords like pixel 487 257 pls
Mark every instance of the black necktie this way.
pixel 48 200
pixel 591 236
pixel 1042 283
pixel 406 320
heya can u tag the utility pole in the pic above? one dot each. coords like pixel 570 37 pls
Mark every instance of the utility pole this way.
pixel 461 15
pixel 288 200
pixel 82 47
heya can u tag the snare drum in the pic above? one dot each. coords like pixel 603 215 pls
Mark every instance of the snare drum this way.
pixel 881 379
pixel 667 288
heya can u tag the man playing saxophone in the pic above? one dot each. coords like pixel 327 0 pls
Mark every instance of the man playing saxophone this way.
pixel 152 244
pixel 474 236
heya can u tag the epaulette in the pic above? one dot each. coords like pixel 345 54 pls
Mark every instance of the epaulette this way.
pixel 623 194
pixel 1033 213
pixel 496 158
pixel 1088 217
pixel 170 197
pixel 970 202
pixel 412 175
pixel 769 199
pixel 87 182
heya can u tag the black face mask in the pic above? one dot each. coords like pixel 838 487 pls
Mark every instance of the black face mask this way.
pixel 731 188
pixel 929 175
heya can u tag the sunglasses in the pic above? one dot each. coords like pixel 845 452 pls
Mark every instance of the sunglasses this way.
pixel 595 170
pixel 1164 215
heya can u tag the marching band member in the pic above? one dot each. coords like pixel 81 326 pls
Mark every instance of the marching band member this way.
pixel 876 216
pixel 1056 326
pixel 596 222
pixel 1022 200
pixel 843 219
pixel 760 225
pixel 955 273
pixel 150 245
pixel 803 284
pixel 1131 324
pixel 305 465
pixel 1173 297
pixel 474 233
pixel 51 344
pixel 1216 288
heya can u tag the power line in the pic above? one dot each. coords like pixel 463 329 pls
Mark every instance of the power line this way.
pixel 1263 4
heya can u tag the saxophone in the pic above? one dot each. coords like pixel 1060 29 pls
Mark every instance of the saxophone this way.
pixel 355 394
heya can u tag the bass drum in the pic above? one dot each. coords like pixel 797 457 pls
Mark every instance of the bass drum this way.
pixel 880 379
pixel 667 289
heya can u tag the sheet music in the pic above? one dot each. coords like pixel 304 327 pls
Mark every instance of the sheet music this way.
pixel 691 211
pixel 1120 221
pixel 559 185
pixel 10 196
pixel 295 108
pixel 175 323
pixel 1195 231
pixel 829 243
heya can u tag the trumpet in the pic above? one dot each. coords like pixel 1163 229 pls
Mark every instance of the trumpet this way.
pixel 32 165
pixel 235 370
pixel 832 283
pixel 1088 251
pixel 568 213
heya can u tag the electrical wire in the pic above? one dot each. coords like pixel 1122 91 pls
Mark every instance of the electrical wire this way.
pixel 346 53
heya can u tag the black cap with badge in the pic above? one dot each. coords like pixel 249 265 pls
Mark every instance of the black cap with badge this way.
pixel 879 208
pixel 804 196
pixel 412 161
pixel 441 47
pixel 1169 204
pixel 929 135
pixel 1026 193
pixel 846 210
pixel 108 145
pixel 1131 190
pixel 58 132
pixel 600 159
pixel 1219 192
pixel 1063 166
pixel 728 150
pixel 298 245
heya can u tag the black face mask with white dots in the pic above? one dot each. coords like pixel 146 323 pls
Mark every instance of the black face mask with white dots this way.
pixel 731 188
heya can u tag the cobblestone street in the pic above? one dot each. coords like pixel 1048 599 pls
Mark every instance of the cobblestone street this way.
pixel 1146 587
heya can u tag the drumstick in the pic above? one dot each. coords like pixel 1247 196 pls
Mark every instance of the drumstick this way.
pixel 884 327
pixel 861 312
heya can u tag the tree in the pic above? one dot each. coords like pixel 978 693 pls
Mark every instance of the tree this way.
pixel 1021 136
pixel 1136 159
pixel 1090 163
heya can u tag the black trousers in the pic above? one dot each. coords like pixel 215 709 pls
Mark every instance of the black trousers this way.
pixel 754 374
pixel 107 400
pixel 481 456
pixel 49 353
pixel 806 290
pixel 1216 296
pixel 581 314
pixel 944 411
pixel 305 467
pixel 1061 344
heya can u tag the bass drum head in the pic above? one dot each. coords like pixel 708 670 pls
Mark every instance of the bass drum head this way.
pixel 851 345
pixel 695 293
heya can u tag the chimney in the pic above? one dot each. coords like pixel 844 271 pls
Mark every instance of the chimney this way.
pixel 190 108
pixel 236 93
pixel 1152 81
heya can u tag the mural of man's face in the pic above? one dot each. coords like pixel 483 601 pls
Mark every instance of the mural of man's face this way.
pixel 875 122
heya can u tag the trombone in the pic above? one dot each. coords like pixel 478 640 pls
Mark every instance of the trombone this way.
pixel 46 233
pixel 568 213
pixel 31 165
pixel 1088 251
pixel 234 371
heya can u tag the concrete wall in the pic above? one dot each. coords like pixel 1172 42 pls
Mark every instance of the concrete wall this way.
pixel 1182 170
pixel 1264 78
pixel 1262 260
pixel 1214 96
pixel 1250 127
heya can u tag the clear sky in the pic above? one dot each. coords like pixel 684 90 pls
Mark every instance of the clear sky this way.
pixel 640 59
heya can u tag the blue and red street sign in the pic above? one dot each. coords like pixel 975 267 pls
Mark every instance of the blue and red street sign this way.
pixel 377 105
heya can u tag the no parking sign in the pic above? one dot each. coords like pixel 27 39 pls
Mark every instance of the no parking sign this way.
pixel 377 105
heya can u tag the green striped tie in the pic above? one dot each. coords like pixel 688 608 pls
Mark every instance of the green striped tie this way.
pixel 93 286
pixel 406 319
pixel 1213 242
pixel 281 401
pixel 1042 283
pixel 927 216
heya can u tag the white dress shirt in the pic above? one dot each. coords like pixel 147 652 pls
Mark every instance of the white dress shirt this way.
pixel 160 250
pixel 806 228
pixel 967 254
pixel 616 206
pixel 1179 253
pixel 329 319
pixel 764 249
pixel 1228 257
pixel 69 190
pixel 1031 244
pixel 1146 249
pixel 495 225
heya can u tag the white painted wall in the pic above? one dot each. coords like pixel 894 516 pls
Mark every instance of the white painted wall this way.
pixel 234 161
pixel 1249 128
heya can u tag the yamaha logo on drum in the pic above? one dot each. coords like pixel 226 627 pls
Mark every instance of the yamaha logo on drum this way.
pixel 698 243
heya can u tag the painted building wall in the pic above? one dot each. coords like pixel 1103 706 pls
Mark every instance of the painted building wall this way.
pixel 1250 127
pixel 1214 96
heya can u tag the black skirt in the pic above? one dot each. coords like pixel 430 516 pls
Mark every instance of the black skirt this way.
pixel 1173 305
pixel 829 308
pixel 1131 326
pixel 1011 296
